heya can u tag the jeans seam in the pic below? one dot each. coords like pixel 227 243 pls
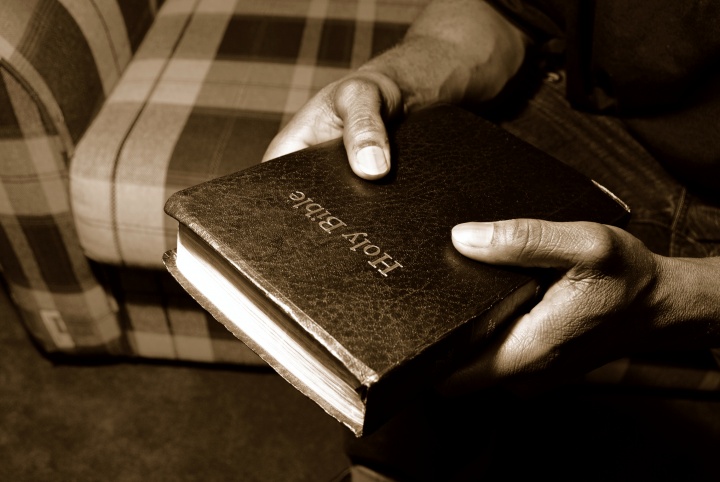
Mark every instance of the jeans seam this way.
pixel 678 215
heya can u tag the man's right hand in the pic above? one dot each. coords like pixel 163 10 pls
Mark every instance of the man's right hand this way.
pixel 355 108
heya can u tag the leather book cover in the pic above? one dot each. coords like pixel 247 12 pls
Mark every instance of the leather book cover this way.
pixel 366 269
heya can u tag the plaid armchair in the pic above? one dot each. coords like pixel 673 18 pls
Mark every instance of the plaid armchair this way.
pixel 106 108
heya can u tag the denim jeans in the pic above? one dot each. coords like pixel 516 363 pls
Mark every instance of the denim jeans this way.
pixel 666 216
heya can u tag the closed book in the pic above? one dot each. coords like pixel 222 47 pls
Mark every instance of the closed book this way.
pixel 351 289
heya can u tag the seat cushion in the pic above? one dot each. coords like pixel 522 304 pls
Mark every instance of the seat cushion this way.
pixel 204 95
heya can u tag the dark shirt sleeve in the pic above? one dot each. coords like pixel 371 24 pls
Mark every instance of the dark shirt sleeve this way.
pixel 541 20
pixel 655 64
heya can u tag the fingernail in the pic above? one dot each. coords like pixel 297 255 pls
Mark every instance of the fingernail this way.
pixel 371 160
pixel 476 235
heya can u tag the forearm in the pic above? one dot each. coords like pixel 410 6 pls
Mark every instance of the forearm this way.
pixel 455 50
pixel 688 301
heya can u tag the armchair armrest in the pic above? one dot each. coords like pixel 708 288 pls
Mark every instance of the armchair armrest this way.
pixel 58 63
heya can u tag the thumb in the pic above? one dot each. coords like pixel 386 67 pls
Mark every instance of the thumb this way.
pixel 532 242
pixel 364 102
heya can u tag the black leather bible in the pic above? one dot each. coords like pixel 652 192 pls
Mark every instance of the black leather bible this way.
pixel 352 289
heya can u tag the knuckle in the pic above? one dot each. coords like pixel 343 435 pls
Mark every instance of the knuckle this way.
pixel 365 128
pixel 353 93
pixel 358 102
pixel 603 245
pixel 526 234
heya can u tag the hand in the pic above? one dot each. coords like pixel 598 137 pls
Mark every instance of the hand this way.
pixel 355 108
pixel 612 298
pixel 455 50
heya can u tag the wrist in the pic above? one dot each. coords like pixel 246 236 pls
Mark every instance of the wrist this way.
pixel 687 300
pixel 422 70
pixel 456 51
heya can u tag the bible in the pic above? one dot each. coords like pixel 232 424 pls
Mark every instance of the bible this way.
pixel 351 289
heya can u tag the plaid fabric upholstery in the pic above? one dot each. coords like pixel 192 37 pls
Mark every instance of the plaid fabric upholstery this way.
pixel 166 125
pixel 58 62
pixel 203 97
pixel 159 320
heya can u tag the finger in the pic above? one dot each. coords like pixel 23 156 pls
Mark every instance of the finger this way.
pixel 288 141
pixel 521 350
pixel 315 123
pixel 362 103
pixel 533 242
pixel 519 356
